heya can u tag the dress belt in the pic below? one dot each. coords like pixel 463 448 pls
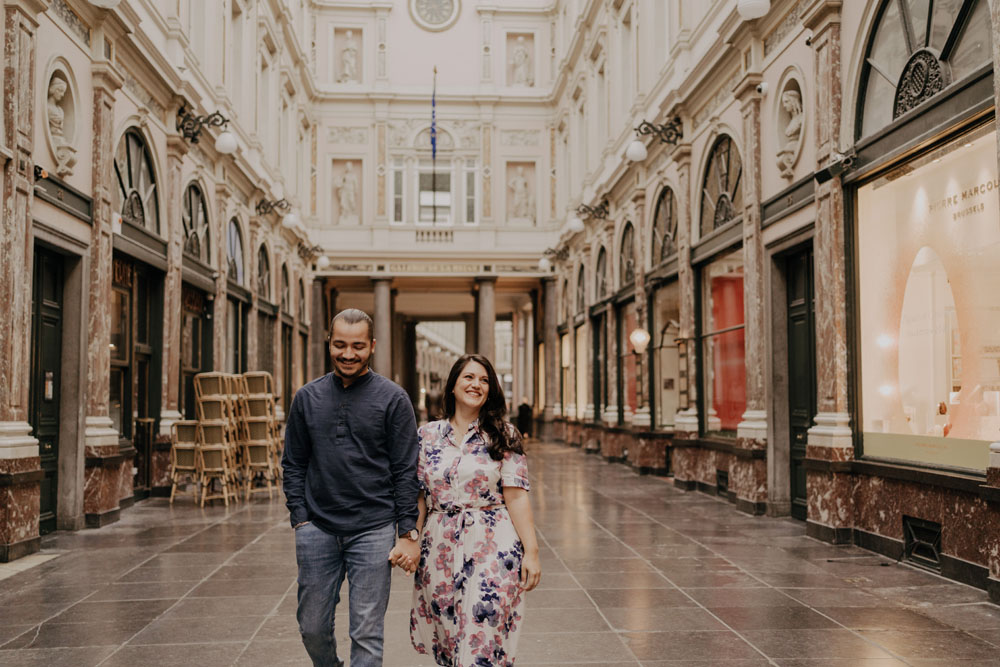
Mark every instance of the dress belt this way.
pixel 454 511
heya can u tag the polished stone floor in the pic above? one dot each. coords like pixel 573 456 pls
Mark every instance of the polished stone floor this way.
pixel 635 572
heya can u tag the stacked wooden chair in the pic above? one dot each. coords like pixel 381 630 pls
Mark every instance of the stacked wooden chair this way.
pixel 184 458
pixel 261 447
pixel 218 436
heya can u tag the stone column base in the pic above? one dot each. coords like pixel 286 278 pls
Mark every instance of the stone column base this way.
pixel 103 461
pixel 748 471
pixel 20 491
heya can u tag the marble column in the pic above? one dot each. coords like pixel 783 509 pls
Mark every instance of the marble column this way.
pixel 551 341
pixel 220 311
pixel 177 148
pixel 20 464
pixel 105 464
pixel 317 333
pixel 829 497
pixel 383 326
pixel 748 473
pixel 470 332
pixel 486 317
pixel 642 418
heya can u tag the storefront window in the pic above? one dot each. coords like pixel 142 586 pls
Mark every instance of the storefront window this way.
pixel 120 325
pixel 627 363
pixel 664 227
pixel 195 219
pixel 236 336
pixel 582 368
pixel 917 50
pixel 626 257
pixel 601 274
pixel 722 187
pixel 263 274
pixel 581 291
pixel 136 196
pixel 669 386
pixel 566 374
pixel 723 344
pixel 234 252
pixel 929 310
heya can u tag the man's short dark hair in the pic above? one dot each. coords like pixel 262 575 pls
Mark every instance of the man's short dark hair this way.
pixel 353 316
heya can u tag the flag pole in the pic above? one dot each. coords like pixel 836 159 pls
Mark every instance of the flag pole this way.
pixel 434 148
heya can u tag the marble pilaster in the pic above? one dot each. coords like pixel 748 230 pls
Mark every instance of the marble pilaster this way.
pixel 20 466
pixel 830 505
pixel 220 313
pixel 383 326
pixel 177 148
pixel 551 341
pixel 486 314
pixel 317 332
pixel 642 419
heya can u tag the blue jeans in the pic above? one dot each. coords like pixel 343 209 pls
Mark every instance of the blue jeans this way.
pixel 324 560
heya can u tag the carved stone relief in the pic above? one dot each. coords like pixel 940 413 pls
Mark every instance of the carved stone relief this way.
pixel 790 127
pixel 60 109
pixel 521 59
pixel 346 192
pixel 521 192
pixel 349 135
pixel 519 137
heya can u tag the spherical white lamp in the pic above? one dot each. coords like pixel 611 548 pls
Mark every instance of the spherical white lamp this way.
pixel 752 9
pixel 636 151
pixel 290 220
pixel 639 339
pixel 575 225
pixel 225 143
pixel 544 264
pixel 105 4
pixel 323 261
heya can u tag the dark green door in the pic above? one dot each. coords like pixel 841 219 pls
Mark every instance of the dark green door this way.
pixel 46 358
pixel 801 368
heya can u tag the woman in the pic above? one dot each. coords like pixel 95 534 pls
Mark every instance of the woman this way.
pixel 478 550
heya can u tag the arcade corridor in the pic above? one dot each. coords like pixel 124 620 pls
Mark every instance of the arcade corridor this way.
pixel 635 572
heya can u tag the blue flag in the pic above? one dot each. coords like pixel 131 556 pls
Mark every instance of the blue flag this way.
pixel 434 133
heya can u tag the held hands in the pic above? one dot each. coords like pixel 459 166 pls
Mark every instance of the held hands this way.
pixel 405 555
pixel 531 571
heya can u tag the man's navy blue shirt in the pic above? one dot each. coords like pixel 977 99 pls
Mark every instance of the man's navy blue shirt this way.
pixel 350 458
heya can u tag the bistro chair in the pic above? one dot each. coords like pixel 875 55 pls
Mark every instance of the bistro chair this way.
pixel 184 457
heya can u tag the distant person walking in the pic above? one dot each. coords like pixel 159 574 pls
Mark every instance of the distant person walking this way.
pixel 524 417
pixel 351 487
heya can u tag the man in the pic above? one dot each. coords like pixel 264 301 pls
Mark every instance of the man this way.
pixel 351 487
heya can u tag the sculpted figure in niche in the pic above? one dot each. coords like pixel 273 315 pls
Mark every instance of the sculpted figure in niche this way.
pixel 523 75
pixel 521 200
pixel 791 101
pixel 348 193
pixel 65 154
pixel 349 60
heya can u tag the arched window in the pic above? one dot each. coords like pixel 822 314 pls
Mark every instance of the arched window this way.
pixel 263 274
pixel 917 49
pixel 286 290
pixel 664 227
pixel 626 256
pixel 566 314
pixel 302 301
pixel 234 252
pixel 581 291
pixel 195 219
pixel 721 189
pixel 136 197
pixel 601 274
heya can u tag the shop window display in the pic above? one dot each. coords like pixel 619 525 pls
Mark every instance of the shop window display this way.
pixel 669 383
pixel 627 363
pixel 664 227
pixel 723 344
pixel 928 240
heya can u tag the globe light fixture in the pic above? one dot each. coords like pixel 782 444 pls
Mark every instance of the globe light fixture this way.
pixel 105 4
pixel 225 143
pixel 639 339
pixel 544 264
pixel 323 261
pixel 752 9
pixel 575 225
pixel 636 151
pixel 290 220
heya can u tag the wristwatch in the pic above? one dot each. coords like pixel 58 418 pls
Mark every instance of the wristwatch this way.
pixel 410 534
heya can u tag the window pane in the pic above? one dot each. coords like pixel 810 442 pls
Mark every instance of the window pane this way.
pixel 397 195
pixel 582 368
pixel 723 342
pixel 878 104
pixel 945 13
pixel 929 261
pixel 889 52
pixel 470 196
pixel 119 325
pixel 973 48
pixel 115 398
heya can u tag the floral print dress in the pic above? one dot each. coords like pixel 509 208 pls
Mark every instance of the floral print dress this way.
pixel 467 599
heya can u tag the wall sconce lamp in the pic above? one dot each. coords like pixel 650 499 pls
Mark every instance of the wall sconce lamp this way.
pixel 752 9
pixel 308 252
pixel 669 133
pixel 600 211
pixel 265 206
pixel 189 125
pixel 561 254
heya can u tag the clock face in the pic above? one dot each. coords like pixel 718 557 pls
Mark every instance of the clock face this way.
pixel 434 14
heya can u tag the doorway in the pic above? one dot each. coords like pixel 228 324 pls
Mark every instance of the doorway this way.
pixel 46 371
pixel 801 327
